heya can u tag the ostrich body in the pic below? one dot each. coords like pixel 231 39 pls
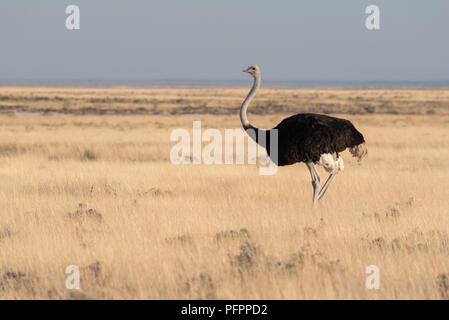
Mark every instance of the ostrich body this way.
pixel 314 139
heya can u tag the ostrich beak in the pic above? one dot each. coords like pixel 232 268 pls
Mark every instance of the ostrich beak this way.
pixel 246 70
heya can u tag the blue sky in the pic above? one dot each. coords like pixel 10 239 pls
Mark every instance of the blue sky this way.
pixel 203 39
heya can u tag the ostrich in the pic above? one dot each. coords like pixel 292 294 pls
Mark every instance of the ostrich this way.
pixel 314 139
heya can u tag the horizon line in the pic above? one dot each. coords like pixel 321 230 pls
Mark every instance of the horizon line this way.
pixel 219 82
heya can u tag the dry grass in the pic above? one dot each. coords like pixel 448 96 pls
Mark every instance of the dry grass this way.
pixel 98 191
pixel 172 101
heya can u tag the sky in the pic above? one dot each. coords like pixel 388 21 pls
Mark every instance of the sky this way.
pixel 134 40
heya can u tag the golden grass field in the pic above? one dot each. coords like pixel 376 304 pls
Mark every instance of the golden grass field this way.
pixel 86 180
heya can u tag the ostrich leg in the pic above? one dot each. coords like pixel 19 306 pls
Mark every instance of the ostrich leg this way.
pixel 326 185
pixel 315 180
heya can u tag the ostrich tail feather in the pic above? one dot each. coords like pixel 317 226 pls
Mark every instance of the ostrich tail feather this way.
pixel 359 151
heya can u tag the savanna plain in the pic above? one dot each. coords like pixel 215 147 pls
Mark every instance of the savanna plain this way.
pixel 86 180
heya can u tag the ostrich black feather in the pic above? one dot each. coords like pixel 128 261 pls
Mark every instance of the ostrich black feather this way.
pixel 305 137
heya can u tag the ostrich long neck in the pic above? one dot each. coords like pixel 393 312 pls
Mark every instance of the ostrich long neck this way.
pixel 243 118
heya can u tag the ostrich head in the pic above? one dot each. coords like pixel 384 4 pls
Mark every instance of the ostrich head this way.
pixel 253 70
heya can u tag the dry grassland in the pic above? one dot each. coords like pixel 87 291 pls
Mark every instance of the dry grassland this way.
pixel 86 180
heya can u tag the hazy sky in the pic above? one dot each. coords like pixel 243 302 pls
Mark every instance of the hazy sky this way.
pixel 205 39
